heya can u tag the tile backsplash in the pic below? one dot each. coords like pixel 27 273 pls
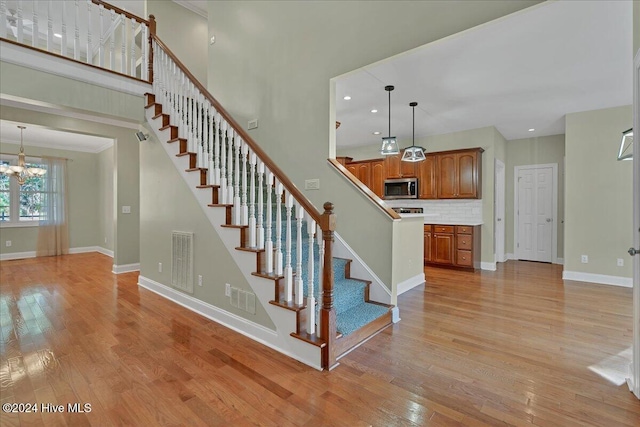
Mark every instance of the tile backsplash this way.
pixel 444 210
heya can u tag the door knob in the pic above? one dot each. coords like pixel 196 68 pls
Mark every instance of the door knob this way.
pixel 633 251
pixel 499 219
pixel 548 219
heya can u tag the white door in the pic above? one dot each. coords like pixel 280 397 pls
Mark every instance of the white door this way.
pixel 499 211
pixel 535 212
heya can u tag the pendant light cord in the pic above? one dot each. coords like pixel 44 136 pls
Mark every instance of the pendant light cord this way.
pixel 389 114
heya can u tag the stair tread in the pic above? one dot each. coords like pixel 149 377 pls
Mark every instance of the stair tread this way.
pixel 358 316
pixel 267 275
pixel 187 153
pixel 176 139
pixel 208 186
pixel 310 338
pixel 255 250
pixel 289 305
pixel 220 205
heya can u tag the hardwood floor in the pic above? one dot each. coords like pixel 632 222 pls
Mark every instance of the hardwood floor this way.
pixel 512 347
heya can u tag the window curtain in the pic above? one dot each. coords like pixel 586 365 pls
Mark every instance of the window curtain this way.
pixel 53 234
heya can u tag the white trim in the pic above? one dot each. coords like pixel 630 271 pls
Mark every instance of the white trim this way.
pixel 125 268
pixel 22 56
pixel 554 207
pixel 17 255
pixel 602 279
pixel 511 256
pixel 560 261
pixel 488 266
pixel 411 283
pixel 249 329
pixel 500 212
pixel 395 314
pixel 191 5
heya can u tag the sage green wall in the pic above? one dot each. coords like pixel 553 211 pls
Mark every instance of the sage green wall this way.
pixel 34 85
pixel 105 198
pixel 126 185
pixel 273 60
pixel 636 26
pixel 84 215
pixel 167 205
pixel 186 33
pixel 598 203
pixel 533 151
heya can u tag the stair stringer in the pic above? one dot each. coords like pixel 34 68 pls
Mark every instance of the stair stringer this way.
pixel 283 319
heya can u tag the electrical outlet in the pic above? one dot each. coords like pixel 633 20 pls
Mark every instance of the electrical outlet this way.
pixel 584 259
pixel 8 243
pixel 253 124
pixel 620 262
pixel 199 280
pixel 312 184
pixel 227 290
pixel 126 209
pixel 159 267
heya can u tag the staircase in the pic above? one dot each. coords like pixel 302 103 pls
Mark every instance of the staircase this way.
pixel 273 221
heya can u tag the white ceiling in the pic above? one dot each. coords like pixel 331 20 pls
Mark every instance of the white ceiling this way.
pixel 524 71
pixel 39 136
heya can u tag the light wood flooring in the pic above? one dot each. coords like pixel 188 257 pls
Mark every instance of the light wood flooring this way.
pixel 514 347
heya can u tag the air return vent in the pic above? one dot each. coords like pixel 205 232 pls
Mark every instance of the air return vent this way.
pixel 182 261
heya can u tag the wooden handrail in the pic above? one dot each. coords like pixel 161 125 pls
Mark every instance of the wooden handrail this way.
pixel 284 180
pixel 120 11
pixel 366 190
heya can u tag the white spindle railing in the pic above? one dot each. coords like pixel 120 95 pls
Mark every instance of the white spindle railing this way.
pixel 92 40
pixel 243 180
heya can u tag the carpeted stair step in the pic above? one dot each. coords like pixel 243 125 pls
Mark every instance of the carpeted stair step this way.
pixel 358 316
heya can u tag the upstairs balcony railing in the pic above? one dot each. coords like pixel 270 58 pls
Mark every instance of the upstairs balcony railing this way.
pixel 89 31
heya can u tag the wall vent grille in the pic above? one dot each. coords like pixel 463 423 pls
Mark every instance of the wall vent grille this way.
pixel 182 261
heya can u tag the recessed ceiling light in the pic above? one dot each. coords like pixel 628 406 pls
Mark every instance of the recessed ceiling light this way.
pixel 374 111
pixel 57 35
pixel 346 98
pixel 531 130
pixel 376 133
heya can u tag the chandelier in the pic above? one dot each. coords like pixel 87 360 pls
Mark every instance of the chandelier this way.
pixel 20 171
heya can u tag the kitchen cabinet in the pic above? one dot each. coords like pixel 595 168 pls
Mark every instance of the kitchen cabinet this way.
pixel 395 168
pixel 353 168
pixel 427 183
pixel 370 173
pixel 377 177
pixel 343 160
pixel 452 246
pixel 459 174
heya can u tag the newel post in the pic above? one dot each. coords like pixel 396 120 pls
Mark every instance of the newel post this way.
pixel 328 312
pixel 152 34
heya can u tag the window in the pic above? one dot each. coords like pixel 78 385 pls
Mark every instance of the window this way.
pixel 21 205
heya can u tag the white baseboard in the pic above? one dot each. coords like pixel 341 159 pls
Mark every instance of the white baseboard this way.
pixel 250 329
pixel 602 279
pixel 511 256
pixel 560 261
pixel 411 283
pixel 395 314
pixel 489 266
pixel 125 268
pixel 17 255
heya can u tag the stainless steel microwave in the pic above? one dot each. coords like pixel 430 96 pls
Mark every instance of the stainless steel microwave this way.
pixel 402 188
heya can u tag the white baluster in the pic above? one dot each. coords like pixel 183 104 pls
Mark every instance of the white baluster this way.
pixel 215 123
pixel 89 41
pixel 182 123
pixel 35 35
pixel 112 42
pixel 49 27
pixel 260 225
pixel 237 208
pixel 253 240
pixel 229 133
pixel 288 270
pixel 123 48
pixel 243 195
pixel 278 260
pixel 76 33
pixel 268 245
pixel 101 40
pixel 213 178
pixel 311 300
pixel 320 274
pixel 221 130
pixel 145 52
pixel 132 72
pixel 64 38
pixel 299 291
pixel 19 23
pixel 3 18
pixel 198 122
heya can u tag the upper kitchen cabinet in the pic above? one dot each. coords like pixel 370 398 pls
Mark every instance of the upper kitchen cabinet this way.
pixel 427 182
pixel 459 174
pixel 395 168
pixel 370 173
pixel 377 177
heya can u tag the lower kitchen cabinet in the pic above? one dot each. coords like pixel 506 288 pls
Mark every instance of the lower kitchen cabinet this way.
pixel 452 246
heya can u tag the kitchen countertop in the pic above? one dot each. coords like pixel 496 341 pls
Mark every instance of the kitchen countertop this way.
pixel 436 219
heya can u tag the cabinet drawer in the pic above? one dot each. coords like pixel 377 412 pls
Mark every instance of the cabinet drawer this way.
pixel 443 228
pixel 464 229
pixel 465 241
pixel 464 258
pixel 427 227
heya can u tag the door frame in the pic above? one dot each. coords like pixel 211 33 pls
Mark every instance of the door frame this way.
pixel 500 177
pixel 554 208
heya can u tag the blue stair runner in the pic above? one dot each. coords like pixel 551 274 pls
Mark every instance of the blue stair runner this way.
pixel 352 311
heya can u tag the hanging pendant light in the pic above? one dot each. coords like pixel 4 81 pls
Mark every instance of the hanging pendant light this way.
pixel 413 153
pixel 626 145
pixel 20 171
pixel 389 144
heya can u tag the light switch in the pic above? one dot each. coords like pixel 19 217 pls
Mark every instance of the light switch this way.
pixel 126 209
